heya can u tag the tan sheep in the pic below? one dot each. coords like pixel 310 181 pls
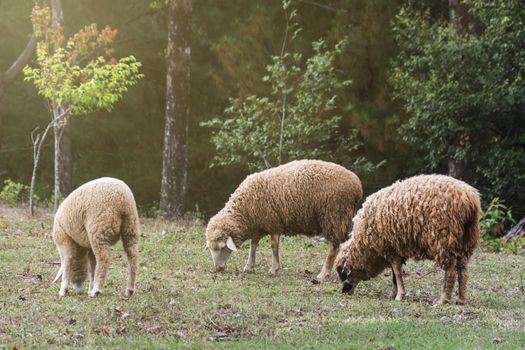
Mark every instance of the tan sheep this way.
pixel 308 197
pixel 91 219
pixel 424 217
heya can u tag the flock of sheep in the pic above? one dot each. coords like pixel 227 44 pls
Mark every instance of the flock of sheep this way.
pixel 424 217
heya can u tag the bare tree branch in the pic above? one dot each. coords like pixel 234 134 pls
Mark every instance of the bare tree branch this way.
pixel 323 6
pixel 10 75
pixel 37 147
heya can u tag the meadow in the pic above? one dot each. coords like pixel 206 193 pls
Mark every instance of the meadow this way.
pixel 182 303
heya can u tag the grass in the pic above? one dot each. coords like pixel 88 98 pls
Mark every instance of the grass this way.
pixel 181 303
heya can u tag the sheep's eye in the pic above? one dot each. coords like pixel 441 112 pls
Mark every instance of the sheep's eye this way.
pixel 342 273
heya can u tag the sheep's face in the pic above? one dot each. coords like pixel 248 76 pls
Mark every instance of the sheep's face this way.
pixel 350 278
pixel 220 252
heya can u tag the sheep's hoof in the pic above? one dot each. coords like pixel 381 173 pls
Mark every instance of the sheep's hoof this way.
pixel 440 302
pixel 399 297
pixel 248 269
pixel 62 293
pixel 323 277
pixel 94 293
pixel 274 271
pixel 461 301
pixel 129 292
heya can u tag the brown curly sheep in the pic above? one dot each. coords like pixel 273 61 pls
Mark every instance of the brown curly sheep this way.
pixel 424 217
pixel 91 219
pixel 308 197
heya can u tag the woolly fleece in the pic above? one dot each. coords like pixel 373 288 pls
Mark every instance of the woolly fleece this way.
pixel 424 217
pixel 93 217
pixel 308 197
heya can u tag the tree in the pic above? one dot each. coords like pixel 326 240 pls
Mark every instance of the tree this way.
pixel 465 93
pixel 174 163
pixel 61 131
pixel 299 117
pixel 459 21
pixel 73 79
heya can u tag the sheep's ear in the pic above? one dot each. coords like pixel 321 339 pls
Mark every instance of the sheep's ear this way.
pixel 230 244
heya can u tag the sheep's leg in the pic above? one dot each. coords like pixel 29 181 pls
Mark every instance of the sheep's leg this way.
pixel 462 279
pixel 101 251
pixel 79 267
pixel 91 269
pixel 329 262
pixel 394 285
pixel 275 252
pixel 65 247
pixel 250 263
pixel 448 284
pixel 66 262
pixel 131 248
pixel 397 269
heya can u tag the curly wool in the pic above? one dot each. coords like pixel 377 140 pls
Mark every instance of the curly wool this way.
pixel 424 217
pixel 93 217
pixel 308 197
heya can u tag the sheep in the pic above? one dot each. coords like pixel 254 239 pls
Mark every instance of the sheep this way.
pixel 309 197
pixel 431 217
pixel 91 219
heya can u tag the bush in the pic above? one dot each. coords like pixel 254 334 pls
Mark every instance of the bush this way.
pixel 14 193
pixel 465 93
pixel 494 219
pixel 17 194
pixel 516 246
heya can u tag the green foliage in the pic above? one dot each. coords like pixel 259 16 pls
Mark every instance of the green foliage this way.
pixel 516 246
pixel 299 117
pixel 494 219
pixel 67 75
pixel 14 193
pixel 466 92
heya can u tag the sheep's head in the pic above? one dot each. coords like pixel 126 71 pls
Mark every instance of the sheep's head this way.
pixel 220 252
pixel 220 243
pixel 350 277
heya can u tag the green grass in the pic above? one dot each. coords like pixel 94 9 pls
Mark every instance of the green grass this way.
pixel 181 303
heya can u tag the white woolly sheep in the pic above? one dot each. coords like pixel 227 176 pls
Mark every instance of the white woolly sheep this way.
pixel 308 197
pixel 91 219
pixel 424 217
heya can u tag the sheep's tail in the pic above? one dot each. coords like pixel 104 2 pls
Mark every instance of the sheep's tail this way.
pixel 59 273
pixel 471 233
pixel 471 238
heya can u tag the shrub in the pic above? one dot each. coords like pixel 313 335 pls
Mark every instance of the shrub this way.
pixel 14 193
pixel 494 219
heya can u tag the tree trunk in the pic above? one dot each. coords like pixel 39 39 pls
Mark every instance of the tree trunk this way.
pixel 456 168
pixel 174 164
pixel 459 16
pixel 62 132
pixel 63 161
pixel 459 20
pixel 517 230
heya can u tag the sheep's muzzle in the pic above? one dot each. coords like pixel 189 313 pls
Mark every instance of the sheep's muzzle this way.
pixel 348 288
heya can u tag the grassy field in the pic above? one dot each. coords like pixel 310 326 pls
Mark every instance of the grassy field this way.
pixel 181 303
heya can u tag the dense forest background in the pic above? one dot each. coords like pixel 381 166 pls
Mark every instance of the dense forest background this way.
pixel 232 43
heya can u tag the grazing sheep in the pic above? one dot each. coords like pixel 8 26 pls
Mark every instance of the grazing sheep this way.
pixel 91 219
pixel 308 197
pixel 424 217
